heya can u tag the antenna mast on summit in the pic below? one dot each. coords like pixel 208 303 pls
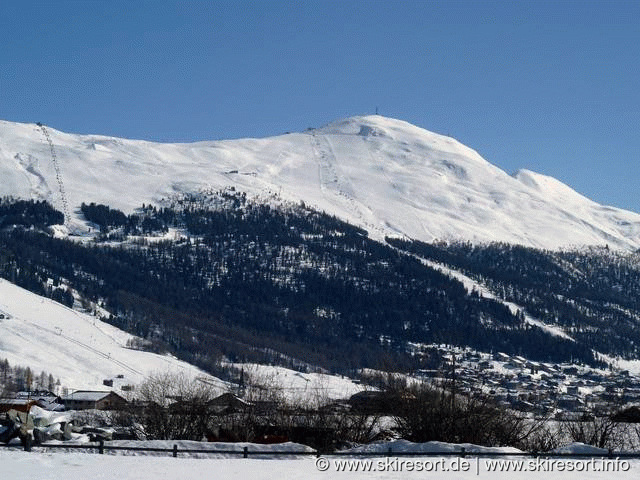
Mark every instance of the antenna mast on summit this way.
pixel 56 166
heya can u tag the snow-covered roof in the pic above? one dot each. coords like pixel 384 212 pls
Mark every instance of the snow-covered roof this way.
pixel 86 396
pixel 16 401
pixel 37 394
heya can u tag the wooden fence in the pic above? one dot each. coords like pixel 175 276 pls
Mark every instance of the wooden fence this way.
pixel 101 448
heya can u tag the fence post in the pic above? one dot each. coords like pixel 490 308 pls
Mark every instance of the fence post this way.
pixel 101 447
pixel 389 452
pixel 245 452
pixel 175 451
pixel 463 452
pixel 27 443
pixel 610 453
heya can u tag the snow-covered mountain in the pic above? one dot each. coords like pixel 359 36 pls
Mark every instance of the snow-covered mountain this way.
pixel 385 175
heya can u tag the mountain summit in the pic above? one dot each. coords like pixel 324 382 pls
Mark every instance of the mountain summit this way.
pixel 385 175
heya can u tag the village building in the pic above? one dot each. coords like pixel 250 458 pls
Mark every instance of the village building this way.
pixel 227 403
pixel 86 400
pixel 18 404
pixel 43 398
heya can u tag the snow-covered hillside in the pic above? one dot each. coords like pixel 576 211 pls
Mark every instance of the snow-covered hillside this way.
pixel 77 348
pixel 385 175
pixel 82 351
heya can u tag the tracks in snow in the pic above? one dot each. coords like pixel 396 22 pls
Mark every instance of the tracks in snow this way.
pixel 58 332
pixel 38 184
pixel 326 164
pixel 335 187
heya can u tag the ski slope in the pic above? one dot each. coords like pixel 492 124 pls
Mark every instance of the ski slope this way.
pixel 75 347
pixel 385 175
pixel 82 351
pixel 470 284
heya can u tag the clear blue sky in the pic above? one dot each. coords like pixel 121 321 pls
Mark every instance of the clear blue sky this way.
pixel 549 86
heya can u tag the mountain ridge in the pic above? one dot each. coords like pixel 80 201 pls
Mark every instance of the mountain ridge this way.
pixel 385 175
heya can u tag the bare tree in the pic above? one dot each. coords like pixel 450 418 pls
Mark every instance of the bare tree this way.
pixel 600 431
pixel 425 413
pixel 265 409
pixel 172 406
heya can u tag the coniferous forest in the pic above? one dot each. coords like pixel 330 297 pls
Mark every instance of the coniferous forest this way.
pixel 221 275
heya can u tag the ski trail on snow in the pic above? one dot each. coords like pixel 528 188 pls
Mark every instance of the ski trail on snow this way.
pixel 470 284
pixel 30 167
pixel 336 187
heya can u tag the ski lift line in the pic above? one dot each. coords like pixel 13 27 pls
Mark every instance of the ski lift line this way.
pixel 56 166
pixel 102 354
pixel 84 345
pixel 59 333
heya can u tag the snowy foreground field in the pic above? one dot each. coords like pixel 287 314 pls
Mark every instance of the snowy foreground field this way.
pixel 19 465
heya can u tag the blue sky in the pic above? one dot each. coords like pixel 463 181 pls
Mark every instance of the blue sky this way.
pixel 549 86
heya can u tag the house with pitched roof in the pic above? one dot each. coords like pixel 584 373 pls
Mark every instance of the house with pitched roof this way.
pixel 93 400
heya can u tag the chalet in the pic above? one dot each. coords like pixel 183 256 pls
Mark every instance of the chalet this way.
pixel 534 367
pixel 224 404
pixel 53 404
pixel 34 394
pixel 591 398
pixel 43 398
pixel 86 400
pixel 572 390
pixel 518 362
pixel 18 404
pixel 372 401
pixel 524 406
pixel 227 403
pixel 512 385
pixel 547 367
pixel 569 402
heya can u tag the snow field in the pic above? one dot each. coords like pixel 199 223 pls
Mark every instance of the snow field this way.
pixel 385 175
pixel 18 465
pixel 75 347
